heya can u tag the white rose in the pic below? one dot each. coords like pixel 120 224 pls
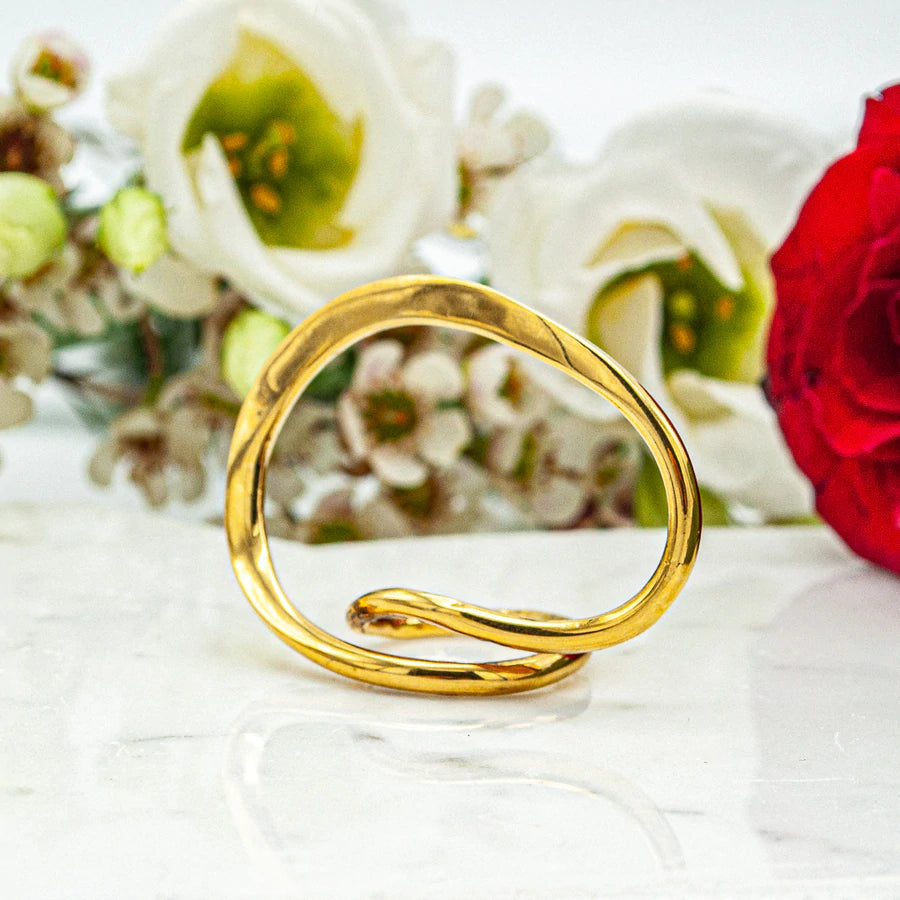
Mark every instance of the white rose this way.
pixel 299 146
pixel 659 253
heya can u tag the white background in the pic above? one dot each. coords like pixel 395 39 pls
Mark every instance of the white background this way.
pixel 585 66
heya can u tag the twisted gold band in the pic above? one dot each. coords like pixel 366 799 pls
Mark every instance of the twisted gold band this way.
pixel 559 644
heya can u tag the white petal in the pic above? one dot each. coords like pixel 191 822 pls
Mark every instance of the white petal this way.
pixel 488 369
pixel 529 134
pixel 125 95
pixel 432 376
pixel 737 447
pixel 486 100
pixel 630 331
pixel 381 519
pixel 103 463
pixel 576 442
pixel 443 436
pixel 629 327
pixel 15 406
pixel 733 153
pixel 521 212
pixel 636 244
pixel 628 191
pixel 174 287
pixel 549 229
pixel 377 364
pixel 352 426
pixel 80 313
pixel 138 424
pixel 559 501
pixel 397 467
pixel 505 450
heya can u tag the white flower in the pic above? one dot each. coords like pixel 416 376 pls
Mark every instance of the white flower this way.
pixel 24 351
pixel 394 415
pixel 500 393
pixel 339 517
pixel 447 502
pixel 491 148
pixel 299 146
pixel 80 290
pixel 659 253
pixel 49 71
pixel 566 469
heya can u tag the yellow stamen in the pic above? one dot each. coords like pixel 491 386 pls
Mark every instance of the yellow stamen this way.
pixel 682 337
pixel 285 131
pixel 235 141
pixel 15 158
pixel 725 307
pixel 278 162
pixel 265 199
pixel 234 165
pixel 683 304
pixel 513 386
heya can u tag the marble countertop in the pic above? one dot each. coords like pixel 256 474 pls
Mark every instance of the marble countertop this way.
pixel 158 741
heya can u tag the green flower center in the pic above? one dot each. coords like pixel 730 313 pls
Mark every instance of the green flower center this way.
pixel 419 502
pixel 53 67
pixel 390 415
pixel 528 459
pixel 292 157
pixel 334 533
pixel 513 387
pixel 706 327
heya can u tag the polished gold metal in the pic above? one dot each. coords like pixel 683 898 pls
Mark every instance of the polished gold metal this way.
pixel 559 645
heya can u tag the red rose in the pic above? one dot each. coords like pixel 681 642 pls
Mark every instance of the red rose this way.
pixel 834 347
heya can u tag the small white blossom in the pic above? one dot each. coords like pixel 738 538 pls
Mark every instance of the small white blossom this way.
pixel 500 392
pixel 491 148
pixel 49 71
pixel 398 416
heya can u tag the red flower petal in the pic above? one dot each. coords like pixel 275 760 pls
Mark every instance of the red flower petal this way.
pixel 834 343
pixel 861 500
pixel 868 356
pixel 882 117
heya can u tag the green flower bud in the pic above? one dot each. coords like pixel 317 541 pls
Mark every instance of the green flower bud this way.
pixel 133 229
pixel 32 225
pixel 249 340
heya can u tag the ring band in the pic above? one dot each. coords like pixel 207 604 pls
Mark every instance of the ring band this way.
pixel 559 645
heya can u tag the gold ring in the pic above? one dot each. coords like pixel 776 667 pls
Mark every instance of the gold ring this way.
pixel 559 645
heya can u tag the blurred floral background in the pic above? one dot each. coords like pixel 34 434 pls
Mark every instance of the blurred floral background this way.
pixel 257 158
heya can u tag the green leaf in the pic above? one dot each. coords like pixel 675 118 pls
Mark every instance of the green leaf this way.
pixel 120 360
pixel 333 380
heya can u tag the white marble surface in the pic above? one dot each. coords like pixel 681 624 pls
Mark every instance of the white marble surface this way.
pixel 158 741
